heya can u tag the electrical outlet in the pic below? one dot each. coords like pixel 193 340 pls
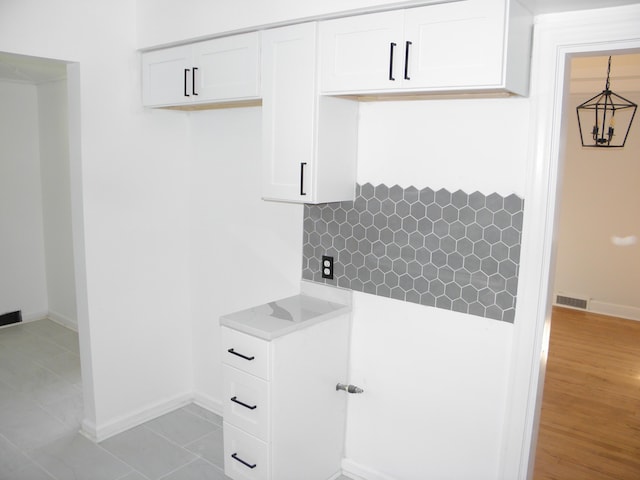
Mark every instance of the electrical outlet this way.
pixel 327 267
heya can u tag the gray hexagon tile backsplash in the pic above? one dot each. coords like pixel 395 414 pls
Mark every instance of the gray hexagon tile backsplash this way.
pixel 455 251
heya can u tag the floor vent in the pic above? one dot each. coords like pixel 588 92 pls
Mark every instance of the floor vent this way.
pixel 9 318
pixel 572 302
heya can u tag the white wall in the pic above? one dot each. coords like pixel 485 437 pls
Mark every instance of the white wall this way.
pixel 244 251
pixel 56 201
pixel 600 200
pixel 130 172
pixel 22 256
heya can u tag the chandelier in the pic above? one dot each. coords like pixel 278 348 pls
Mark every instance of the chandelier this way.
pixel 605 119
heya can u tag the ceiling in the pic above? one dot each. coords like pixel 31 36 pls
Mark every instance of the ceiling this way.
pixel 554 6
pixel 34 70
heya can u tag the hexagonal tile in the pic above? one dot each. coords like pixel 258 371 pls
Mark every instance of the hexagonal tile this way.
pixel 423 255
pixel 450 213
pixel 494 202
pixel 357 259
pixel 364 274
pixel 381 191
pixel 418 210
pixel 394 222
pixel 367 191
pixel 372 233
pixel 412 296
pixel 445 275
pixel 425 226
pixel 391 279
pixel 421 285
pixel 448 244
pixel 360 204
pixel 358 232
pixel 467 215
pixel 508 269
pixel 491 234
pixel 434 212
pixel 380 220
pixel 441 228
pixel 406 282
pixel 393 251
pixel 429 271
pixel 408 253
pixel 436 287
pixel 378 248
pixel 403 209
pixel 464 246
pixel 432 242
pixel 462 277
pixel 469 293
pixel 428 299
pixel 366 219
pixel 486 297
pixel 353 216
pixel 443 197
pixel 386 235
pixel 339 242
pixel 460 305
pixel 383 290
pixel 411 195
pixel 416 240
pixel 452 291
pixel 516 221
pixel 374 206
pixel 427 196
pixel 476 308
pixel 346 230
pixel 400 266
pixel 364 246
pixel 497 282
pixel 481 249
pixel 499 251
pixel 455 260
pixel 476 200
pixel 396 193
pixel 489 266
pixel 474 232
pixel 439 258
pixel 502 219
pixel 479 280
pixel 401 238
pixel 510 236
pixel 414 269
pixel 409 224
pixel 443 302
pixel 397 293
pixel 388 206
pixel 512 203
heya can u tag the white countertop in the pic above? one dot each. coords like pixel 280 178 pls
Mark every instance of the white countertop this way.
pixel 284 316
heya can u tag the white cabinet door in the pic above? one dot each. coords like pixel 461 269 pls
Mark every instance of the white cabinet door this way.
pixel 227 68
pixel 309 141
pixel 220 70
pixel 288 111
pixel 362 53
pixel 453 45
pixel 166 76
pixel 442 47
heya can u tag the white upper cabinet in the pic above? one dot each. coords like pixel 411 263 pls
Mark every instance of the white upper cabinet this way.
pixel 468 45
pixel 309 141
pixel 220 70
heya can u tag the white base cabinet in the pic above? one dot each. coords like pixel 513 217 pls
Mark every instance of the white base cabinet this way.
pixel 285 422
pixel 469 45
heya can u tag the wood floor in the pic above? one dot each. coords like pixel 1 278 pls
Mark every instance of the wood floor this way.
pixel 590 422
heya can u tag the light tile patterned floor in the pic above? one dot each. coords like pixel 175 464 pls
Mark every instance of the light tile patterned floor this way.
pixel 41 411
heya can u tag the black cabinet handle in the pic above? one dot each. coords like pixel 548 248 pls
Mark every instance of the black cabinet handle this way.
pixel 406 61
pixel 193 81
pixel 236 457
pixel 233 352
pixel 186 74
pixel 250 407
pixel 392 47
pixel 302 165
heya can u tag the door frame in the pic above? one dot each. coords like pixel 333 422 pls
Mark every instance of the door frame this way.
pixel 557 38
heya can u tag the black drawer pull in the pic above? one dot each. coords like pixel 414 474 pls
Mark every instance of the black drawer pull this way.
pixel 236 457
pixel 250 407
pixel 302 165
pixel 193 81
pixel 186 75
pixel 406 61
pixel 232 351
pixel 392 46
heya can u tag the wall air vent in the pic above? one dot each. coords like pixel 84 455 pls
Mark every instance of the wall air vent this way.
pixel 578 303
pixel 9 318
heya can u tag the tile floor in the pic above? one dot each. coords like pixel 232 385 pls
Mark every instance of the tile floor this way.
pixel 41 411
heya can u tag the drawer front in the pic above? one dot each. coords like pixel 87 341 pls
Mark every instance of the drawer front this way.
pixel 245 457
pixel 246 402
pixel 246 353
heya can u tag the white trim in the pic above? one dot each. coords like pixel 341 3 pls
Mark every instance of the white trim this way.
pixel 63 320
pixel 356 471
pixel 556 38
pixel 614 310
pixel 208 403
pixel 34 317
pixel 98 433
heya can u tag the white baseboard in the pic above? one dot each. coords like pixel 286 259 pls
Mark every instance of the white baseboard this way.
pixel 208 403
pixel 34 317
pixel 63 320
pixel 357 471
pixel 622 311
pixel 98 433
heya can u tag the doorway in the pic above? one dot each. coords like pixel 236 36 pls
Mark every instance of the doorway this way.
pixel 37 277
